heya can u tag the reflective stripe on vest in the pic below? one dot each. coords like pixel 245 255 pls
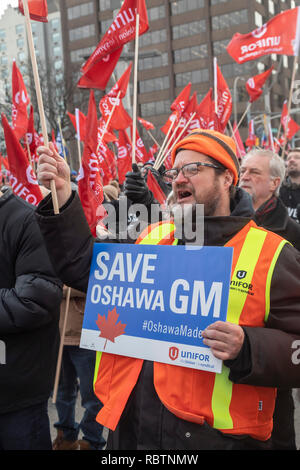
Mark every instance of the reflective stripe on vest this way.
pixel 222 391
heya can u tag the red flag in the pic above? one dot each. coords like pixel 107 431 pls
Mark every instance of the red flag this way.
pixel 38 10
pixel 120 88
pixel 178 106
pixel 224 100
pixel 280 36
pixel 206 112
pixel 20 101
pixel 141 152
pixel 99 74
pixel 289 125
pixel 254 84
pixel 81 122
pixel 90 187
pixel 124 155
pixel 108 136
pixel 32 138
pixel 98 68
pixel 119 118
pixel 121 31
pixel 153 185
pixel 22 179
pixel 146 124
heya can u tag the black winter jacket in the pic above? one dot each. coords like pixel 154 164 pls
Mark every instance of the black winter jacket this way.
pixel 30 296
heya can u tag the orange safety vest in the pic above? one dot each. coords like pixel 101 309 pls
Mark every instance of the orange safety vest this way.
pixel 196 395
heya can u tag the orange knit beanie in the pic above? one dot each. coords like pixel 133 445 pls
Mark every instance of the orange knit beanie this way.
pixel 213 144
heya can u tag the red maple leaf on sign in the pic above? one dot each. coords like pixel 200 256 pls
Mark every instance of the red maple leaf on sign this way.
pixel 109 327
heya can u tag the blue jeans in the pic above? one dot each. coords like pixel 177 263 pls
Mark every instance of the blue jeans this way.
pixel 77 374
pixel 26 429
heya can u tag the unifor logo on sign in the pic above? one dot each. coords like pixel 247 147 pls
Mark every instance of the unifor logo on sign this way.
pixel 173 353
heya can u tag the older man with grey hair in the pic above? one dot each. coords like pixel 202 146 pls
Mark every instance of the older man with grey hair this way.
pixel 261 175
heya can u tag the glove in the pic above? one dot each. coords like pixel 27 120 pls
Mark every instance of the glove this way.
pixel 135 187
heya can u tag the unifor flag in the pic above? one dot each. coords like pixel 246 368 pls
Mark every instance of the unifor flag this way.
pixel 90 189
pixel 38 10
pixel 146 124
pixel 22 178
pixel 205 112
pixel 178 106
pixel 20 102
pixel 254 84
pixel 224 99
pixel 96 71
pixel 124 159
pixel 289 125
pixel 280 35
pixel 32 137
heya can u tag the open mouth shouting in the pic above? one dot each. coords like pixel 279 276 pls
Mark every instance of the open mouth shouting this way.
pixel 184 195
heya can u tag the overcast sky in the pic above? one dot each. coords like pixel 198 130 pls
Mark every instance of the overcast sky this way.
pixel 4 3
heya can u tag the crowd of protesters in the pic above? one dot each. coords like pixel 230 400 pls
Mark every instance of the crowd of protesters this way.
pixel 262 189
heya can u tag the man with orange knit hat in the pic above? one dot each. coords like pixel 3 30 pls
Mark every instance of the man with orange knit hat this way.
pixel 154 406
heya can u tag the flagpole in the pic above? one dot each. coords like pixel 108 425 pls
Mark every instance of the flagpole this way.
pixel 162 148
pixel 62 139
pixel 39 96
pixel 134 113
pixel 108 120
pixel 289 104
pixel 215 85
pixel 242 118
pixel 169 149
pixel 61 347
pixel 78 135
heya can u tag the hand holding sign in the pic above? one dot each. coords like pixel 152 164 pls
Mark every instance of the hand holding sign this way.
pixel 225 339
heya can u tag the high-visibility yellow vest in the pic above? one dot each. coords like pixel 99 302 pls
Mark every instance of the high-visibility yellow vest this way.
pixel 196 395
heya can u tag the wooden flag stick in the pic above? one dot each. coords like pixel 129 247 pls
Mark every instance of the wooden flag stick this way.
pixel 289 104
pixel 242 118
pixel 61 347
pixel 174 143
pixel 163 145
pixel 108 120
pixel 134 111
pixel 153 138
pixel 39 96
pixel 78 135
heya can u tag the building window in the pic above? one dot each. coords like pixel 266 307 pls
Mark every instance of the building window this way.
pixel 3 60
pixel 156 13
pixel 154 84
pixel 190 53
pixel 219 47
pixel 153 37
pixel 20 42
pixel 57 51
pixel 3 47
pixel 229 19
pixel 104 5
pixel 147 63
pixel 82 32
pixel 155 108
pixel 194 76
pixel 55 23
pixel 188 29
pixel 80 10
pixel 58 64
pixel 19 28
pixel 80 54
pixel 186 5
pixel 21 56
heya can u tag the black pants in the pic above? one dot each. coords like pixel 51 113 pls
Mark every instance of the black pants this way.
pixel 147 425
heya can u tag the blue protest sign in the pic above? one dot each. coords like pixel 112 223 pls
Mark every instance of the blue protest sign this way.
pixel 153 302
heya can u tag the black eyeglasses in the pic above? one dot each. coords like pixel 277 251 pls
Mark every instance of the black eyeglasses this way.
pixel 188 170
